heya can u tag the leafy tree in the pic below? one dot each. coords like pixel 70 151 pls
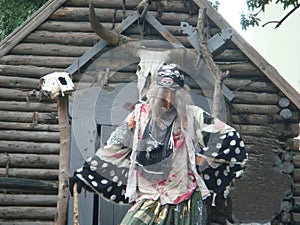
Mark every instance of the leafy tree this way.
pixel 259 6
pixel 14 12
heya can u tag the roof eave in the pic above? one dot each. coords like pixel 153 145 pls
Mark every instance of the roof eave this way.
pixel 29 25
pixel 252 54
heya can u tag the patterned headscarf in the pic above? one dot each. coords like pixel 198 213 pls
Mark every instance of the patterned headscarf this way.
pixel 170 76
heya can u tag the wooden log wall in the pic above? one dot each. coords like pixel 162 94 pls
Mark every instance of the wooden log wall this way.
pixel 29 132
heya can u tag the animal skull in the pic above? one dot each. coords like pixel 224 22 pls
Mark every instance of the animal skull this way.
pixel 55 83
pixel 146 70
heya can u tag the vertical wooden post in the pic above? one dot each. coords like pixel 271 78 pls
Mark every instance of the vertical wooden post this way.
pixel 64 161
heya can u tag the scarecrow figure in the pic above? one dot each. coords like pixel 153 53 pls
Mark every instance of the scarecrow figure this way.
pixel 166 158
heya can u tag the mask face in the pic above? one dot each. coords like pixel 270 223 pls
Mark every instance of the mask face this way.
pixel 56 83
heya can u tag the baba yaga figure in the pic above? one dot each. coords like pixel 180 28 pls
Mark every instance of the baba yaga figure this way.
pixel 166 158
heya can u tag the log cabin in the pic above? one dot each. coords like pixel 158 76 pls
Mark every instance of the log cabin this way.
pixel 263 107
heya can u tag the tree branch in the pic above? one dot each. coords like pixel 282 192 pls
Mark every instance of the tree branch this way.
pixel 208 59
pixel 284 18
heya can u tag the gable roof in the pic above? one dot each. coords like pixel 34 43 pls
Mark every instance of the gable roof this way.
pixel 271 73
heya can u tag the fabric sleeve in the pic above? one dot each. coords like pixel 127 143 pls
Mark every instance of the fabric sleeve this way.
pixel 223 148
pixel 106 172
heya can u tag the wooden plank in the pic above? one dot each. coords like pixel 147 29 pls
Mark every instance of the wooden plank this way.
pixel 29 126
pixel 252 54
pixel 29 25
pixel 26 147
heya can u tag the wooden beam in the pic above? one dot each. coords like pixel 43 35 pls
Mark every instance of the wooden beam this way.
pixel 29 25
pixel 64 161
pixel 163 31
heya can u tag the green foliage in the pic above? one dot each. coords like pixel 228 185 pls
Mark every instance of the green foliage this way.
pixel 257 6
pixel 14 12
pixel 215 4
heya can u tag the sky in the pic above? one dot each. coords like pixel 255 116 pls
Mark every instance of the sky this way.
pixel 280 47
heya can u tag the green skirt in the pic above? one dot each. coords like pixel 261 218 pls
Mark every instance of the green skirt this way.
pixel 149 212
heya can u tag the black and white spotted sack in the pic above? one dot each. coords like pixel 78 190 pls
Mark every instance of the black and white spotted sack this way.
pixel 105 178
pixel 229 148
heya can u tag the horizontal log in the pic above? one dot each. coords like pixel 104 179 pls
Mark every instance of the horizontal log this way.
pixel 286 114
pixel 26 71
pixel 261 119
pixel 19 82
pixel 230 55
pixel 292 144
pixel 20 95
pixel 36 136
pixel 296 190
pixel 29 160
pixel 29 126
pixel 28 147
pixel 253 108
pixel 49 50
pixel 257 98
pixel 296 160
pixel 296 204
pixel 28 106
pixel 250 85
pixel 36 213
pixel 44 61
pixel 39 174
pixel 78 26
pixel 28 200
pixel 105 4
pixel 239 68
pixel 38 186
pixel 296 218
pixel 18 222
pixel 63 38
pixel 175 6
pixel 109 15
pixel 296 175
pixel 274 130
pixel 29 117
